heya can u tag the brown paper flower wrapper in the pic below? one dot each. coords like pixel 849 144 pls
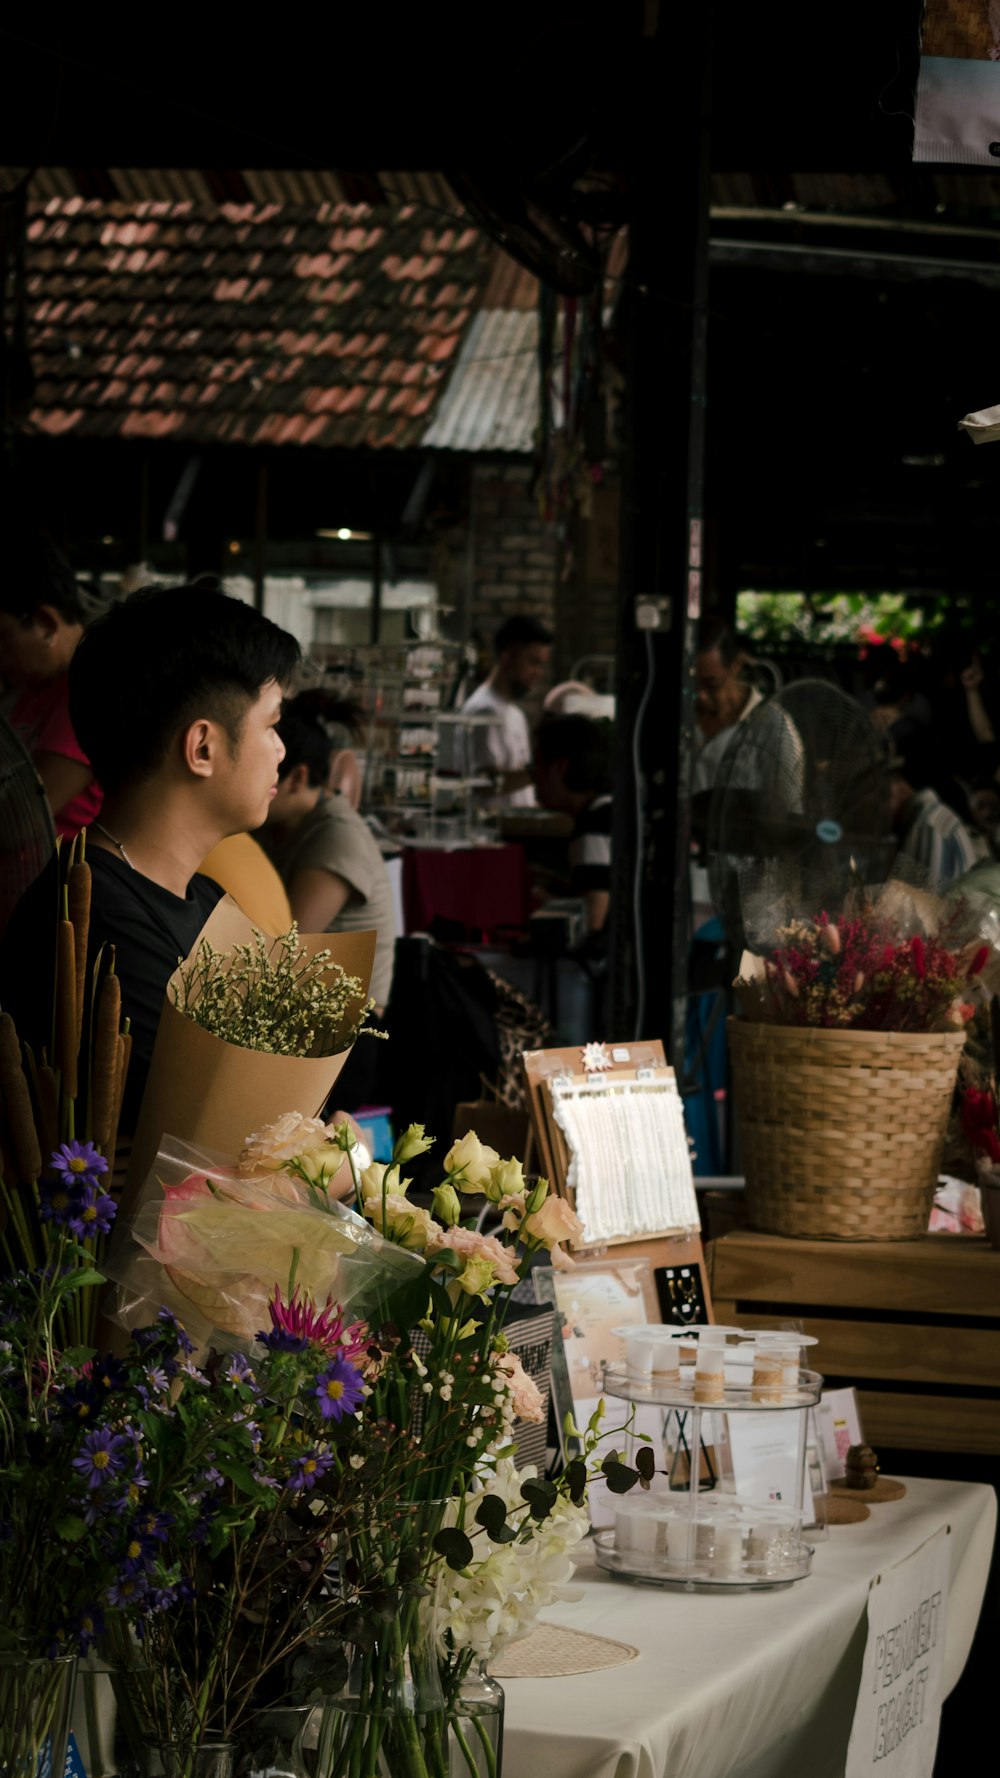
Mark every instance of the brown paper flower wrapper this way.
pixel 210 1093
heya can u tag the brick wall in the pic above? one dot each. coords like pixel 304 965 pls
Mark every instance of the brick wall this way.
pixel 506 558
pixel 512 551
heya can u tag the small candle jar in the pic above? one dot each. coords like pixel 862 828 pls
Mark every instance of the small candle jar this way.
pixel 710 1371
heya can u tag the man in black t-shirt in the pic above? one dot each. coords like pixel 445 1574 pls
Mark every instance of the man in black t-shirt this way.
pixel 175 696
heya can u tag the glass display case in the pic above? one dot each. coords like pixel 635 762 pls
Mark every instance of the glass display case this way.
pixel 728 1509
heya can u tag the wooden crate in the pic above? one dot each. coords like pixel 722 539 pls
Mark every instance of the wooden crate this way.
pixel 914 1325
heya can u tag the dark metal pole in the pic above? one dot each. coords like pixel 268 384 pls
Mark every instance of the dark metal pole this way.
pixel 661 529
pixel 260 537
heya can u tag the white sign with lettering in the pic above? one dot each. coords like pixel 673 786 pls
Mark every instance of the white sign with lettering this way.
pixel 899 1700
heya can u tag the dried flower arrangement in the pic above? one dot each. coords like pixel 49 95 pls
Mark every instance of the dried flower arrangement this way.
pixel 860 972
pixel 270 995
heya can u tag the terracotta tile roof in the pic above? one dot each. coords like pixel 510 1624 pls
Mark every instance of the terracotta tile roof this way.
pixel 250 323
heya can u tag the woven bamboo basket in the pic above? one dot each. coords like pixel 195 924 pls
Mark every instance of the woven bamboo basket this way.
pixel 842 1131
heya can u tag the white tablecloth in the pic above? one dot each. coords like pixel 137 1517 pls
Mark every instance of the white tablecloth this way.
pixel 742 1685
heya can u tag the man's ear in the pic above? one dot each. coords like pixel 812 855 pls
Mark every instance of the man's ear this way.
pixel 200 743
pixel 298 778
pixel 47 621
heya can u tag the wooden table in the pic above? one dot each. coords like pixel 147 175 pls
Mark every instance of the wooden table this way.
pixel 914 1324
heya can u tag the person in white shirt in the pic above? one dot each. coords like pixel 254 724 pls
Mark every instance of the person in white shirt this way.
pixel 523 648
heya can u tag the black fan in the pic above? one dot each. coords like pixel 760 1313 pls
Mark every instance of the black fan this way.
pixel 27 832
pixel 799 813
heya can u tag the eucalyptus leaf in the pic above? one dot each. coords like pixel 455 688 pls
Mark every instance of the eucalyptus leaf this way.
pixel 454 1546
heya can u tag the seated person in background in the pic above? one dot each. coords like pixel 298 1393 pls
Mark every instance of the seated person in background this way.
pixel 522 648
pixel 41 623
pixel 928 831
pixel 573 774
pixel 175 694
pixel 331 866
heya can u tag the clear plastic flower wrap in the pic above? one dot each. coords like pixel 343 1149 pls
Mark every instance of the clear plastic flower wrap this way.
pixel 211 1242
pixel 893 958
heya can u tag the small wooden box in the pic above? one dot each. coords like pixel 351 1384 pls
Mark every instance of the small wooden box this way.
pixel 914 1325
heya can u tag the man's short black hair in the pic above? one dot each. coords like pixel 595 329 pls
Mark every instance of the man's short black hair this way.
pixel 158 660
pixel 36 573
pixel 716 634
pixel 520 632
pixel 585 744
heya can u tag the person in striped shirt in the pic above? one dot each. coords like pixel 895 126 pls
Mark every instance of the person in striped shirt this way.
pixel 929 832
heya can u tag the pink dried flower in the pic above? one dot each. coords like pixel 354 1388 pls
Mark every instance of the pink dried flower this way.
pixel 791 984
pixel 831 938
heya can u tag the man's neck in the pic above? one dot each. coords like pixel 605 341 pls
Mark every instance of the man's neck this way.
pixel 499 682
pixel 156 836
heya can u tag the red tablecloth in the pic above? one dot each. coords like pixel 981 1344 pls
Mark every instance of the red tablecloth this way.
pixel 480 887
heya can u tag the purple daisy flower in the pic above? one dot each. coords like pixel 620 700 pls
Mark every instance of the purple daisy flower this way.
pixel 128 1589
pixel 238 1369
pixel 78 1164
pixel 141 1550
pixel 57 1201
pixel 339 1389
pixel 100 1456
pixel 306 1471
pixel 92 1213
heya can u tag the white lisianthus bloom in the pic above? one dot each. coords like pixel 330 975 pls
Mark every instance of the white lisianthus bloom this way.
pixel 469 1162
pixel 373 1178
pixel 412 1143
pixel 447 1205
pixel 271 1149
pixel 506 1180
pixel 406 1224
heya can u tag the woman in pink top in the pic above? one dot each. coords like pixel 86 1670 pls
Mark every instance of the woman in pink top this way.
pixel 41 622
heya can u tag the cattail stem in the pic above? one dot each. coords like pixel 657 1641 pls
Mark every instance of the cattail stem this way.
pixel 78 904
pixel 105 1060
pixel 66 1024
pixel 21 1131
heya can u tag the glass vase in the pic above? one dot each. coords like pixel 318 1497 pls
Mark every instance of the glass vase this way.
pixel 35 1702
pixel 390 1719
pixel 275 1744
pixel 475 1727
pixel 176 1759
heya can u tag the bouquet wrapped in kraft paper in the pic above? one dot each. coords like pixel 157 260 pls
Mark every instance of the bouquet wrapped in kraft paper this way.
pixel 290 1009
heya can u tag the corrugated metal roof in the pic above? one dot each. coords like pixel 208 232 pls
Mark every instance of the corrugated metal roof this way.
pixel 491 400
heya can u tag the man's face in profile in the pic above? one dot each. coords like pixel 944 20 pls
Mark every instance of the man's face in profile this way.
pixel 528 665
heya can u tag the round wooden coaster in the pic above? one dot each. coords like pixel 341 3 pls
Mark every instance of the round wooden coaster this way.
pixel 845 1509
pixel 885 1489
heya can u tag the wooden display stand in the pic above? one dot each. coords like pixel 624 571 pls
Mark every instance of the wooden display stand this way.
pixel 915 1325
pixel 666 1248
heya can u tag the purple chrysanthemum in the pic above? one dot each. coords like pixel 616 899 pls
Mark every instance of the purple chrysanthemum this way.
pixel 306 1471
pixel 100 1456
pixel 339 1389
pixel 78 1164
